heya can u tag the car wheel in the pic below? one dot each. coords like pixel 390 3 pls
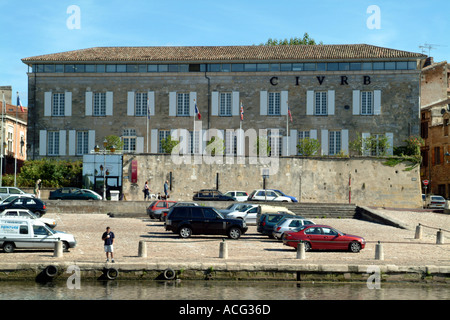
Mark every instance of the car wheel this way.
pixel 65 246
pixel 355 246
pixel 185 232
pixel 234 233
pixel 9 247
pixel 307 246
pixel 38 214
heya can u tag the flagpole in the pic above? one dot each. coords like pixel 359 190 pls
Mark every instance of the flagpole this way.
pixel 287 132
pixel 148 113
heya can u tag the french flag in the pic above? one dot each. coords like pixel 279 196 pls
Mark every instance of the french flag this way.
pixel 19 103
pixel 242 112
pixel 197 112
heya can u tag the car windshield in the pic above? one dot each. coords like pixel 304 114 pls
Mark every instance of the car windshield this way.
pixel 243 209
pixel 218 213
pixel 9 199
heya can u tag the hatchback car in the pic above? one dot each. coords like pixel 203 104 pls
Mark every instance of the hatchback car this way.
pixel 35 205
pixel 189 220
pixel 294 199
pixel 155 209
pixel 288 224
pixel 267 195
pixel 267 221
pixel 11 191
pixel 322 237
pixel 237 195
pixel 435 202
pixel 23 213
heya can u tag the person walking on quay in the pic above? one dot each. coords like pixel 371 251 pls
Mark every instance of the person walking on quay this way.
pixel 146 191
pixel 166 189
pixel 37 188
pixel 108 238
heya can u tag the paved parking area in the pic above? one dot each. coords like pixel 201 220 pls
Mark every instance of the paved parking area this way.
pixel 399 245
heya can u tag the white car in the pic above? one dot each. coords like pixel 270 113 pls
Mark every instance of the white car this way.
pixel 287 224
pixel 5 192
pixel 435 202
pixel 247 214
pixel 24 213
pixel 237 195
pixel 267 195
pixel 234 207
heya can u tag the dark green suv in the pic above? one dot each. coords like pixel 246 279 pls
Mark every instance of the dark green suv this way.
pixel 188 220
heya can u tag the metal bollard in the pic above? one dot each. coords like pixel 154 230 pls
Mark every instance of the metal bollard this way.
pixel 142 251
pixel 379 254
pixel 301 251
pixel 440 237
pixel 418 232
pixel 58 251
pixel 223 250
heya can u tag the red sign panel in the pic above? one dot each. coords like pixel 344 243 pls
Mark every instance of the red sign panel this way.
pixel 425 182
pixel 134 171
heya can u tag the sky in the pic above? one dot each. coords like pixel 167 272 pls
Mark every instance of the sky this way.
pixel 35 27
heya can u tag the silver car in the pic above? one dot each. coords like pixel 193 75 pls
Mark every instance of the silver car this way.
pixel 5 192
pixel 288 224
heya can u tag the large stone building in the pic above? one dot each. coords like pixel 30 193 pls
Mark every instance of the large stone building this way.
pixel 334 93
pixel 435 127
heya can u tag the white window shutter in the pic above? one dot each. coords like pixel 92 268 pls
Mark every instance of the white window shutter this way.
pixel 139 144
pixel 284 96
pixel 91 140
pixel 43 142
pixel 344 141
pixel 109 103
pixel 47 104
pixel 62 142
pixel 130 103
pixel 324 144
pixel 263 103
pixel 151 100
pixel 309 102
pixel 293 141
pixel 390 150
pixel 235 104
pixel 284 146
pixel 214 103
pixel 240 140
pixel 72 142
pixel 154 141
pixel 356 102
pixel 68 104
pixel 377 102
pixel 172 104
pixel 192 102
pixel 89 103
pixel 331 102
pixel 313 134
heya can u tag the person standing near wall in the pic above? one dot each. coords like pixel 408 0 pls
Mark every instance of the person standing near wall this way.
pixel 166 189
pixel 146 191
pixel 108 238
pixel 37 188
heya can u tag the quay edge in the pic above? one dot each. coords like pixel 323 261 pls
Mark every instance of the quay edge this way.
pixel 223 271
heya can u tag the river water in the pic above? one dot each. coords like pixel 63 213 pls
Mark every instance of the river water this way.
pixel 220 290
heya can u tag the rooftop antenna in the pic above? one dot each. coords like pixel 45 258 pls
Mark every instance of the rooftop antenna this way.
pixel 429 46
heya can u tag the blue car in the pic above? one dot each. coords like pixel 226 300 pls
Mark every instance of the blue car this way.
pixel 294 199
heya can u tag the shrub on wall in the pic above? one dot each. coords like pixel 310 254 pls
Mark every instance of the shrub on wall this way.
pixel 53 173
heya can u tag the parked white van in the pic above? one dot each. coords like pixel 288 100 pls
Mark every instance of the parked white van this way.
pixel 22 233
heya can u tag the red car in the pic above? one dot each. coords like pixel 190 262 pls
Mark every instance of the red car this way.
pixel 321 237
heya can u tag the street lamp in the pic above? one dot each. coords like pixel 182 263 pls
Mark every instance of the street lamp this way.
pixel 104 151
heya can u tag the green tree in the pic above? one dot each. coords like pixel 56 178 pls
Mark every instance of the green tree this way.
pixel 215 145
pixel 168 144
pixel 113 141
pixel 308 146
pixel 373 145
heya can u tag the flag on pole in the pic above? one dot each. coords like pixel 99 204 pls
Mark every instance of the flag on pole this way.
pixel 19 103
pixel 242 112
pixel 289 113
pixel 197 112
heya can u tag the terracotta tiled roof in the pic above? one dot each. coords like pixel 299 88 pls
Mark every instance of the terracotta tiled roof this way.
pixel 224 53
pixel 12 111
